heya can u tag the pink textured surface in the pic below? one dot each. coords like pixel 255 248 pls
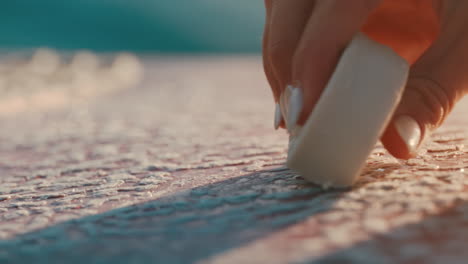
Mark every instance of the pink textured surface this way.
pixel 187 168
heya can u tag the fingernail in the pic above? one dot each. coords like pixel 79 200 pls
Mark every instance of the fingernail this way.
pixel 278 116
pixel 286 99
pixel 294 108
pixel 409 132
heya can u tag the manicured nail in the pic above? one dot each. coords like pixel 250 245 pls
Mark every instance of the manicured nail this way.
pixel 278 116
pixel 409 132
pixel 284 102
pixel 294 108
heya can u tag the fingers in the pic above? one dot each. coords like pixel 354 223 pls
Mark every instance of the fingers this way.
pixel 278 120
pixel 436 82
pixel 266 61
pixel 287 20
pixel 325 36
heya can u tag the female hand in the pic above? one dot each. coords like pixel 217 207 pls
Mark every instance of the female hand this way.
pixel 303 40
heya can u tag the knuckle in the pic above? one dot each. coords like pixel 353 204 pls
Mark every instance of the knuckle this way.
pixel 280 53
pixel 369 5
pixel 339 6
pixel 297 63
pixel 298 58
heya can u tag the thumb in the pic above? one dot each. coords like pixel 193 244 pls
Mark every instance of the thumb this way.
pixel 424 106
pixel 436 82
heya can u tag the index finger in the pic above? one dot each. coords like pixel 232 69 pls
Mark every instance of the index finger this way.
pixel 329 30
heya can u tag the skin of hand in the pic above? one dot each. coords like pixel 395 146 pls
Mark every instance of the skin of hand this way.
pixel 303 40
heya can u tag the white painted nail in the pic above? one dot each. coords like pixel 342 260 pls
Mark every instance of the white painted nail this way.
pixel 288 93
pixel 284 102
pixel 278 116
pixel 409 132
pixel 294 108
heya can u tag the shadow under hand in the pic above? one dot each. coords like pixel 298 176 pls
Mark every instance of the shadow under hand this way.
pixel 181 228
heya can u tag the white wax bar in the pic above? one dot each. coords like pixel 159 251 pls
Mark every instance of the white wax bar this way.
pixel 355 107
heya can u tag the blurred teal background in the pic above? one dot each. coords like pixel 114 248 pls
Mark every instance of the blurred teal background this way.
pixel 153 26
